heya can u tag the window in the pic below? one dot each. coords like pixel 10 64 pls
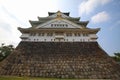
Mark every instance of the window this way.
pixel 85 34
pixel 41 34
pixel 66 25
pixel 44 39
pixel 73 40
pixel 68 34
pixel 51 25
pixel 67 39
pixel 59 25
pixel 29 39
pixel 32 34
pixel 77 34
pixel 49 34
pixel 59 33
pixel 88 40
pixel 83 40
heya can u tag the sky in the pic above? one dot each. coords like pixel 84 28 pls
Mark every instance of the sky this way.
pixel 104 14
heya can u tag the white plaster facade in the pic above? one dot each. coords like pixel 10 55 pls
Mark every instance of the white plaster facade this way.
pixel 59 38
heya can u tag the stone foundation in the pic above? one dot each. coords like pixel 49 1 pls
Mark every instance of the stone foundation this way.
pixel 85 60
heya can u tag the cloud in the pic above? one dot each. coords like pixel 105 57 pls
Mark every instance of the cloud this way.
pixel 16 13
pixel 6 34
pixel 100 17
pixel 88 6
pixel 8 27
pixel 12 16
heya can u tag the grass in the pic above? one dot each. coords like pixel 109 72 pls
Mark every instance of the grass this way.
pixel 38 78
pixel 30 78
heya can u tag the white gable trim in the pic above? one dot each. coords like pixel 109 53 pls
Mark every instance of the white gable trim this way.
pixel 59 20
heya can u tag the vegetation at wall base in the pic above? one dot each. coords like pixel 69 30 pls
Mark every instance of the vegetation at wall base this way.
pixel 116 57
pixel 38 78
pixel 5 50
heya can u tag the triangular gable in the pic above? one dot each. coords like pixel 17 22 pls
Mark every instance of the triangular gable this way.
pixel 59 23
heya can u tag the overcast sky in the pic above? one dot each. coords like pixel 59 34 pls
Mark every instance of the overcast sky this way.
pixel 104 14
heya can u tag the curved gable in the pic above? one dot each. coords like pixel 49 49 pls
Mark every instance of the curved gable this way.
pixel 59 23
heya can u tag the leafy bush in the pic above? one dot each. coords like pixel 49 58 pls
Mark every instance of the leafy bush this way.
pixel 5 50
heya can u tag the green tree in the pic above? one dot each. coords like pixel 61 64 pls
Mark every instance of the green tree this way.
pixel 5 50
pixel 116 57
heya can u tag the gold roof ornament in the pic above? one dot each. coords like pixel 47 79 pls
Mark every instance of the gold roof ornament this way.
pixel 59 15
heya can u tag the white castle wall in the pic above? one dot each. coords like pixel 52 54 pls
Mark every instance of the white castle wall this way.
pixel 57 38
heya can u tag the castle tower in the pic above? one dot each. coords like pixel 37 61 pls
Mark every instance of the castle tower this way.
pixel 60 46
pixel 58 27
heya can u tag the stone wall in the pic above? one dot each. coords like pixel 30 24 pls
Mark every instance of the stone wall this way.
pixel 85 60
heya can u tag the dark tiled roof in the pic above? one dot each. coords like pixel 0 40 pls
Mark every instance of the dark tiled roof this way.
pixel 41 20
pixel 73 19
pixel 51 13
pixel 36 23
pixel 85 60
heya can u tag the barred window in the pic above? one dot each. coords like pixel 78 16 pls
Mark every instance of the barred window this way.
pixel 68 34
pixel 85 34
pixel 77 34
pixel 51 25
pixel 59 25
pixel 41 34
pixel 32 34
pixel 49 34
pixel 44 39
pixel 66 25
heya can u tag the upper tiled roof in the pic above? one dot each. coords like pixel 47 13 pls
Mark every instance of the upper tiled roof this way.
pixel 42 20
pixel 51 13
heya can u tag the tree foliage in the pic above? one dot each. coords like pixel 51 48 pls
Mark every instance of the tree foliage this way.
pixel 5 50
pixel 116 57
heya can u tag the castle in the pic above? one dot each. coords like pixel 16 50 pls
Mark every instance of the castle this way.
pixel 60 46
